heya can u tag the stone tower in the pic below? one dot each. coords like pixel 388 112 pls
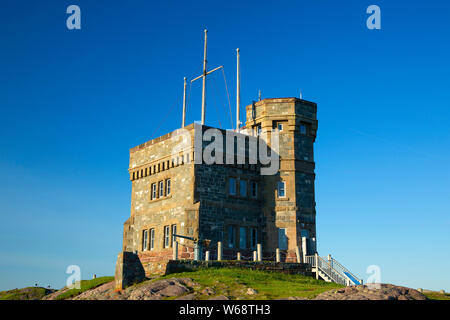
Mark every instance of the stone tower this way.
pixel 289 199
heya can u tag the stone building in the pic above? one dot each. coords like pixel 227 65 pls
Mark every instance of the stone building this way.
pixel 173 193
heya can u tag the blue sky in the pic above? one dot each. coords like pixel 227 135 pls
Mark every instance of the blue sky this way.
pixel 73 102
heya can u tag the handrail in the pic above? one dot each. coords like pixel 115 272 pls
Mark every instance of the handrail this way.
pixel 333 269
pixel 344 269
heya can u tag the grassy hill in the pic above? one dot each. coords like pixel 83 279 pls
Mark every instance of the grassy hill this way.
pixel 29 293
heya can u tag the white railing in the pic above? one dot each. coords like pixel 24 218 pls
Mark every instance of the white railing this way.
pixel 335 271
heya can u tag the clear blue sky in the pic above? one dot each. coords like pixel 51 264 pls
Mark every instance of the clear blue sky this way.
pixel 74 102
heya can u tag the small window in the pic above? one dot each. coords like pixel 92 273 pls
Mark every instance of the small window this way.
pixel 161 189
pixel 242 238
pixel 303 129
pixel 253 239
pixel 145 240
pixel 243 188
pixel 280 126
pixel 232 186
pixel 258 130
pixel 174 231
pixel 231 237
pixel 282 239
pixel 153 191
pixel 254 189
pixel 281 189
pixel 152 239
pixel 168 187
pixel 166 237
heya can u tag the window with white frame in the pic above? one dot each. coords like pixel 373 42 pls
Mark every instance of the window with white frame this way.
pixel 281 189
pixel 145 240
pixel 232 186
pixel 243 188
pixel 152 239
pixel 166 236
pixel 174 231
pixel 153 196
pixel 161 189
pixel 168 187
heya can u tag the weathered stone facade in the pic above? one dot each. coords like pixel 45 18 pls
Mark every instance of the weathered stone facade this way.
pixel 172 193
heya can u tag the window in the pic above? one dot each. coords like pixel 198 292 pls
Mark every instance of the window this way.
pixel 282 239
pixel 281 189
pixel 145 240
pixel 153 191
pixel 231 237
pixel 166 236
pixel 303 129
pixel 232 186
pixel 258 129
pixel 174 231
pixel 280 126
pixel 243 188
pixel 161 189
pixel 152 239
pixel 242 238
pixel 254 189
pixel 253 239
pixel 168 187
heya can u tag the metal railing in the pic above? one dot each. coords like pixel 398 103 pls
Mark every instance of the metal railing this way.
pixel 332 269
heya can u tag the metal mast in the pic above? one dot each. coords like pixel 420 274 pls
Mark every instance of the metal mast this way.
pixel 184 104
pixel 238 91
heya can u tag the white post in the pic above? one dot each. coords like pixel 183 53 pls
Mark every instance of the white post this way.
pixel 184 104
pixel 219 250
pixel 297 253
pixel 277 255
pixel 175 250
pixel 304 248
pixel 259 250
pixel 204 79
pixel 238 256
pixel 207 256
pixel 316 256
pixel 254 256
pixel 238 91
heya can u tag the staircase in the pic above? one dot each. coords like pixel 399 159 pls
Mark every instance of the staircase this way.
pixel 330 270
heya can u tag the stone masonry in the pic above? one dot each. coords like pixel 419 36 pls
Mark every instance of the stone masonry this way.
pixel 171 193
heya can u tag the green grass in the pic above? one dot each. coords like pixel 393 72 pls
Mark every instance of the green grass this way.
pixel 29 293
pixel 269 285
pixel 85 285
pixel 437 296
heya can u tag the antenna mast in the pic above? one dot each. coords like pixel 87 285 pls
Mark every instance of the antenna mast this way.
pixel 238 91
pixel 184 104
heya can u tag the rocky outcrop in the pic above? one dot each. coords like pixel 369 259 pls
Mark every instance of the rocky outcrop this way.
pixel 372 292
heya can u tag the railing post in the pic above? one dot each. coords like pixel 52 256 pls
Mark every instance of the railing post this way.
pixel 304 248
pixel 175 250
pixel 259 251
pixel 316 257
pixel 238 256
pixel 219 250
pixel 254 256
pixel 207 256
pixel 277 255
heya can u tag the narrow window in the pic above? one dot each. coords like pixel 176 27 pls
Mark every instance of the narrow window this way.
pixel 243 188
pixel 231 236
pixel 153 191
pixel 303 129
pixel 258 130
pixel 242 238
pixel 145 240
pixel 253 240
pixel 152 239
pixel 174 231
pixel 282 239
pixel 254 189
pixel 168 189
pixel 161 189
pixel 232 186
pixel 281 189
pixel 166 236
pixel 280 126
